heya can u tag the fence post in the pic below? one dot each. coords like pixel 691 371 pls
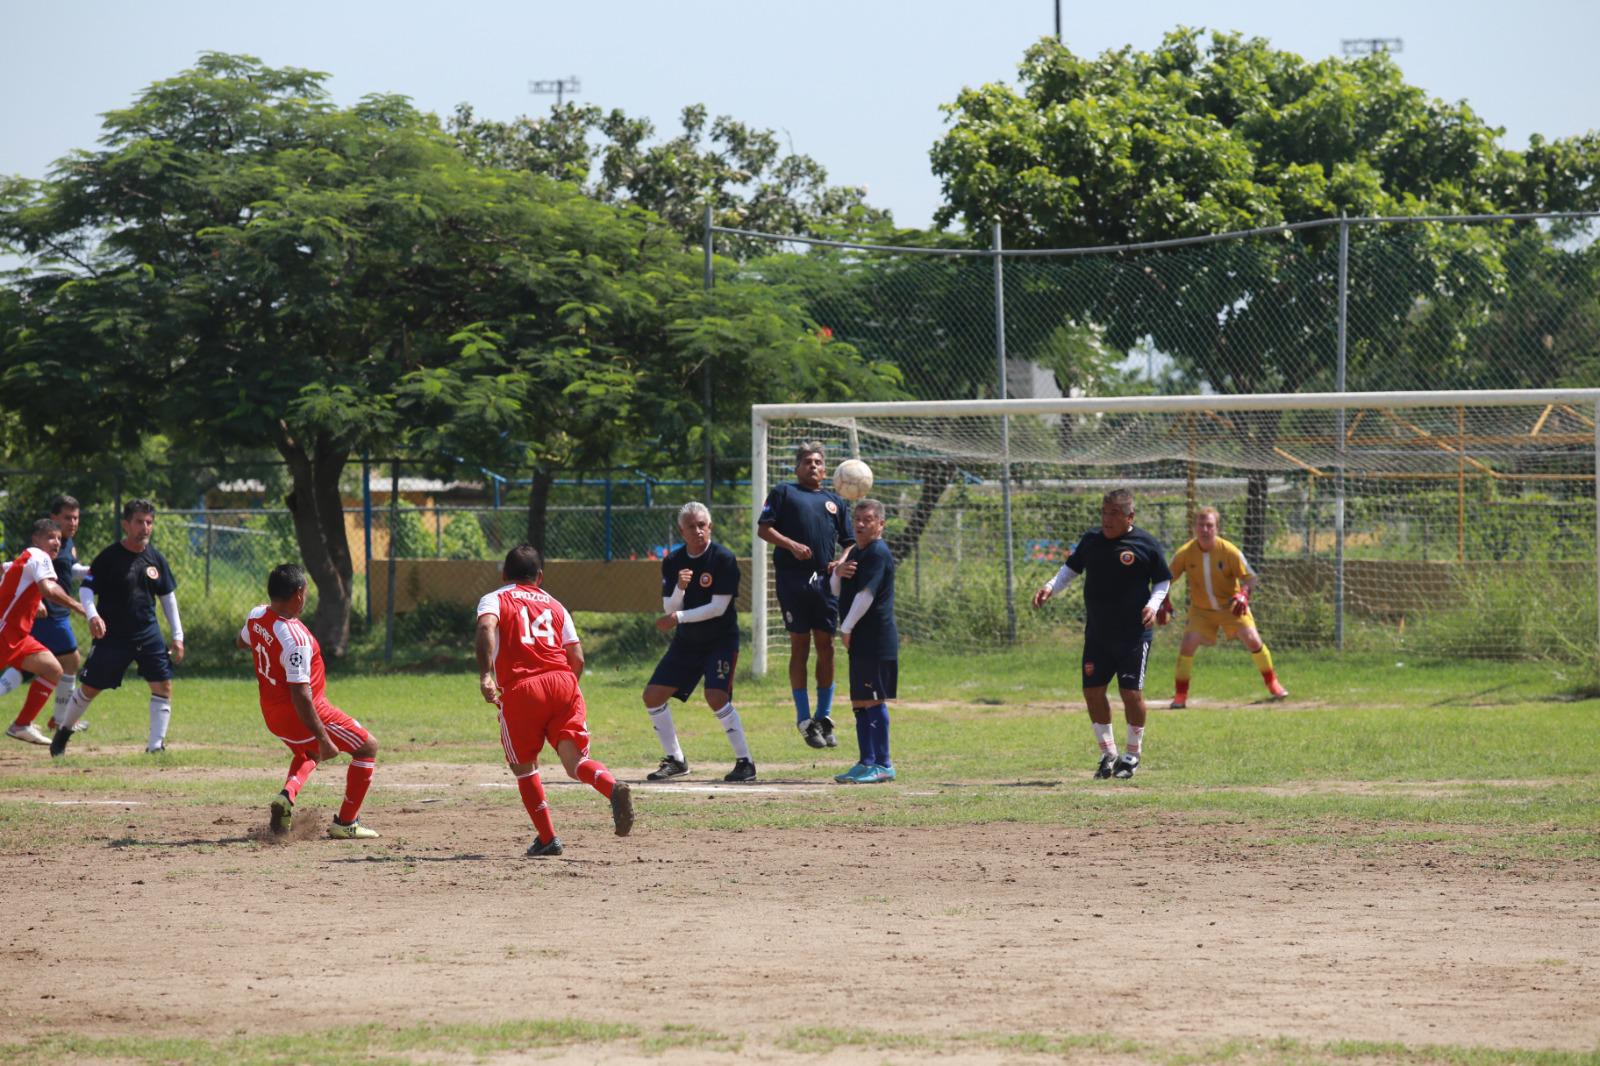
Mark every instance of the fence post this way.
pixel 705 372
pixel 1339 442
pixel 608 517
pixel 394 522
pixel 1005 430
pixel 207 513
pixel 366 525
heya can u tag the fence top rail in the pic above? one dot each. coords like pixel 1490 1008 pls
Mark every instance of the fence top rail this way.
pixel 769 412
pixel 1145 246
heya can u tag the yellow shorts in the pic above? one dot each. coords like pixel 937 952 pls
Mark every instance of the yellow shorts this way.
pixel 1207 623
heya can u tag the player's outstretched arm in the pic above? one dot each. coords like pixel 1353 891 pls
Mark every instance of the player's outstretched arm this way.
pixel 1062 579
pixel 486 645
pixel 53 592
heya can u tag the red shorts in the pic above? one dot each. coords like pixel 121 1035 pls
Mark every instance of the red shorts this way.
pixel 545 707
pixel 346 733
pixel 15 647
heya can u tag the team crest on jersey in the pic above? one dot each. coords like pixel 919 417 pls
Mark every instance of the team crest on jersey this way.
pixel 1088 669
pixel 832 507
pixel 152 573
pixel 1126 557
pixel 705 580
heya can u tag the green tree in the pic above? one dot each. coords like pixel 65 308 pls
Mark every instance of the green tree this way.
pixel 1196 138
pixel 742 172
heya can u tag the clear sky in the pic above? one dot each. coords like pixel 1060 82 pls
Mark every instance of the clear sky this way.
pixel 857 85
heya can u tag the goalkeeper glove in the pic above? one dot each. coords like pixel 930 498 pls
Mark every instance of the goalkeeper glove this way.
pixel 1240 604
pixel 1164 612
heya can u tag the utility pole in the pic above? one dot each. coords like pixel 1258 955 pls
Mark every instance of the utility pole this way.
pixel 1366 46
pixel 1058 21
pixel 559 86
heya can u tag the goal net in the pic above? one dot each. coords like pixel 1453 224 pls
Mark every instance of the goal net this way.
pixel 1459 524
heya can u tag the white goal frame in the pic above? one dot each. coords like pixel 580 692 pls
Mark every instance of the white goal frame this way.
pixel 762 416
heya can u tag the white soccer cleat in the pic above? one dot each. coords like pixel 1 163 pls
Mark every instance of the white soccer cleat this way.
pixel 28 734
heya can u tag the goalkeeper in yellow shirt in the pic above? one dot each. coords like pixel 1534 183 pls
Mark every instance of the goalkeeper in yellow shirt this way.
pixel 1220 580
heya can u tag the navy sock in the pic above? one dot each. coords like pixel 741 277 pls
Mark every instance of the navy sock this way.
pixel 802 705
pixel 864 734
pixel 880 734
pixel 825 702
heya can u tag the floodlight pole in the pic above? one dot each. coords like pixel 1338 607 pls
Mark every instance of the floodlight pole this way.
pixel 1005 429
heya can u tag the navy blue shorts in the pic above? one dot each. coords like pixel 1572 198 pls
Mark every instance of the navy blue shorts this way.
pixel 110 657
pixel 807 602
pixel 56 634
pixel 684 668
pixel 872 678
pixel 1121 659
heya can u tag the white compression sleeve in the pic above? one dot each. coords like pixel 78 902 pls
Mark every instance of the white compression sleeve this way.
pixel 1158 594
pixel 1062 579
pixel 714 609
pixel 169 607
pixel 86 597
pixel 674 603
pixel 858 610
pixel 834 584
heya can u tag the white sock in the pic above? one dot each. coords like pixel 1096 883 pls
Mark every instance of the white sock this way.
pixel 729 717
pixel 160 715
pixel 64 695
pixel 1105 738
pixel 77 703
pixel 10 681
pixel 1135 739
pixel 661 722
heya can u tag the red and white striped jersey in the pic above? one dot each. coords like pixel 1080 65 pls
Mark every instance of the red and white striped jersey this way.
pixel 285 653
pixel 534 632
pixel 20 590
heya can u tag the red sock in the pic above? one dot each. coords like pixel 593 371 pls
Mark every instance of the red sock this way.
pixel 532 790
pixel 38 694
pixel 594 774
pixel 1270 677
pixel 356 780
pixel 299 773
pixel 1180 690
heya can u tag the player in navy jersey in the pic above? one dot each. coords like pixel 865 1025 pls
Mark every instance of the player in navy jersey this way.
pixel 699 583
pixel 864 582
pixel 805 523
pixel 127 580
pixel 1126 579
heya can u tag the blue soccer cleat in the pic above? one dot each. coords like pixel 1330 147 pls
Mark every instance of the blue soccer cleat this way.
pixel 855 775
pixel 877 775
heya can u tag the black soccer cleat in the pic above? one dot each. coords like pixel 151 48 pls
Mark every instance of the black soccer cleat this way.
pixel 743 770
pixel 1125 766
pixel 826 724
pixel 811 730
pixel 58 743
pixel 622 808
pixel 1103 771
pixel 540 850
pixel 668 769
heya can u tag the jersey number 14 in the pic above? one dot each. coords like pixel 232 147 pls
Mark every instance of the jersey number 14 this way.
pixel 538 629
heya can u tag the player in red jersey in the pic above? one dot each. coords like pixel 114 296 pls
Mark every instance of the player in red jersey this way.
pixel 288 664
pixel 30 579
pixel 529 661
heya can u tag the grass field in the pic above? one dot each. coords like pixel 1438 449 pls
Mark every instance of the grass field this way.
pixel 1398 864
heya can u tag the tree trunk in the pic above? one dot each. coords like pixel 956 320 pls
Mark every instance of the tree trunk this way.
pixel 319 530
pixel 936 476
pixel 538 506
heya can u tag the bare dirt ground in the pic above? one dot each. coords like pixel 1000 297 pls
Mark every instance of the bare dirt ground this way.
pixel 150 919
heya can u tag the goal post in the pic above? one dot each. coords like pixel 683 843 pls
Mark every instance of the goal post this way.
pixel 1452 522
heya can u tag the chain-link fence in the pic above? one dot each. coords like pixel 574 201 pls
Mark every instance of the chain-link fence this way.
pixel 1485 302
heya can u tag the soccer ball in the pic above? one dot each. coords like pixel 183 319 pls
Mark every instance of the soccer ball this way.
pixel 852 479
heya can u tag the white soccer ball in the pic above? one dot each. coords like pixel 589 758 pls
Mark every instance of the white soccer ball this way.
pixel 852 479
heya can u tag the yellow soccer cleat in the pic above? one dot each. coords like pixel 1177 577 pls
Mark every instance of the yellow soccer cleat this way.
pixel 354 831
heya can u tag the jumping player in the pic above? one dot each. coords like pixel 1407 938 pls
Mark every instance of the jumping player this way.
pixel 1127 580
pixel 804 523
pixel 30 579
pixel 864 584
pixel 288 662
pixel 529 662
pixel 128 578
pixel 1220 582
pixel 699 582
